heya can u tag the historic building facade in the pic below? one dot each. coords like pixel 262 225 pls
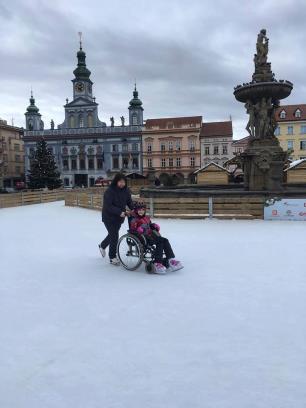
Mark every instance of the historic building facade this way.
pixel 239 146
pixel 84 147
pixel 216 142
pixel 171 147
pixel 291 129
pixel 11 155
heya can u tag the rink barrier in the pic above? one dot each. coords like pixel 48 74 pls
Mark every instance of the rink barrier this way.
pixel 183 207
pixel 32 197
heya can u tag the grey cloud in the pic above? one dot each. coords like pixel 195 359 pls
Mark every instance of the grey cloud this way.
pixel 186 57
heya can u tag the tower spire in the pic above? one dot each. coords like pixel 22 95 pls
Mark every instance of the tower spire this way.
pixel 80 36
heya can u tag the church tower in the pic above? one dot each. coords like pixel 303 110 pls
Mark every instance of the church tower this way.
pixel 135 110
pixel 82 111
pixel 33 117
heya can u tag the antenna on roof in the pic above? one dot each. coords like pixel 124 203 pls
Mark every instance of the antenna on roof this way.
pixel 230 116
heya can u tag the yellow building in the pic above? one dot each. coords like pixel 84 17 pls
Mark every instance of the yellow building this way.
pixel 291 130
pixel 11 155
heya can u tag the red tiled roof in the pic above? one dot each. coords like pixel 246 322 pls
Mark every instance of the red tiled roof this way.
pixel 177 122
pixel 290 113
pixel 215 129
pixel 244 140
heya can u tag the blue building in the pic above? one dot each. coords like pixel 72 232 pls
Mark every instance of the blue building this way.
pixel 84 147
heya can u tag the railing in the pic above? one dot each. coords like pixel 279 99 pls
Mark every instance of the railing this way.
pixel 185 207
pixel 26 198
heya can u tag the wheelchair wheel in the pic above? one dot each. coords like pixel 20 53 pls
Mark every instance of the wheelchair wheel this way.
pixel 130 252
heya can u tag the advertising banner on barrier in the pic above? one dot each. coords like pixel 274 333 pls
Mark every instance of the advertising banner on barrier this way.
pixel 288 209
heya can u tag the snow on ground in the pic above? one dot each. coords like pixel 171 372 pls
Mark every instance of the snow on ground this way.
pixel 228 331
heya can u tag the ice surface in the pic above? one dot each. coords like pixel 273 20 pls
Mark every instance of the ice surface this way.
pixel 227 331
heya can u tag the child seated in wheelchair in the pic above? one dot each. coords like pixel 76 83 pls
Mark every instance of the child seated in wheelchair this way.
pixel 141 224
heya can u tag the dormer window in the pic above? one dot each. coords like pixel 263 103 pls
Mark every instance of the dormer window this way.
pixel 282 115
pixel 297 113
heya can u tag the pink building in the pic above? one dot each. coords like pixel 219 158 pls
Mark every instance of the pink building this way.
pixel 171 146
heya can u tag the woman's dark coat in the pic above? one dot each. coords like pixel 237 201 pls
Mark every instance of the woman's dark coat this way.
pixel 115 201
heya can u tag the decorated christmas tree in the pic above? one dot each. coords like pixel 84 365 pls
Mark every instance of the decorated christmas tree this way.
pixel 43 170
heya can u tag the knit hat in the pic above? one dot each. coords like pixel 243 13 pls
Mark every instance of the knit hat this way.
pixel 139 205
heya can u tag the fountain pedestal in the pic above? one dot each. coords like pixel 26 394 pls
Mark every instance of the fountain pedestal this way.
pixel 263 162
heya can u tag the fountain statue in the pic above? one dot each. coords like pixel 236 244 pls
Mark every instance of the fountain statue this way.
pixel 263 160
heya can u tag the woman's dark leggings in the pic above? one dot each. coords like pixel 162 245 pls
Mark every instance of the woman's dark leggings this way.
pixel 112 238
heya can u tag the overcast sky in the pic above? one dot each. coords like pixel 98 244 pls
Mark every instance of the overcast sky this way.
pixel 186 55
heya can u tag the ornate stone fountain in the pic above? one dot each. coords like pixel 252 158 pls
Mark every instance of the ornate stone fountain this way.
pixel 263 160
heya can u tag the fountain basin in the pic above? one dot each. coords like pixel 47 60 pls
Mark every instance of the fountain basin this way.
pixel 256 91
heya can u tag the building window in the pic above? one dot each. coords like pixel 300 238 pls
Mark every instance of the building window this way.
pixel 224 149
pixel 149 148
pixel 178 162
pixel 125 162
pixel 170 125
pixel 100 163
pixel 115 162
pixel 191 145
pixel 282 115
pixel 178 145
pixel 192 162
pixel 149 163
pixel 81 121
pixel 71 121
pixel 134 119
pixel 91 164
pixel 125 148
pixel 163 147
pixel 91 182
pixel 82 164
pixel 65 164
pixel 277 131
pixel 290 144
pixel 207 150
pixel 73 164
pixel 216 149
pixel 303 129
pixel 16 147
pixel 90 120
pixel 135 147
pixel 17 157
pixel 170 146
pixel 66 182
pixel 297 113
pixel 135 163
pixel 171 162
pixel 115 148
pixel 290 130
pixel 163 163
pixel 303 145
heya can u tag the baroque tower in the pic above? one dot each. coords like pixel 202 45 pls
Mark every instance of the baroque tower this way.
pixel 82 111
pixel 33 117
pixel 135 110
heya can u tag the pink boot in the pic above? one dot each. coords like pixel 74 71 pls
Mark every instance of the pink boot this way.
pixel 175 265
pixel 159 268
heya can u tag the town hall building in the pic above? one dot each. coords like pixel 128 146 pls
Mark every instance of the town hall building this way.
pixel 84 147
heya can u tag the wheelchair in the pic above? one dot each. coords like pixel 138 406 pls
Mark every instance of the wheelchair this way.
pixel 133 249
